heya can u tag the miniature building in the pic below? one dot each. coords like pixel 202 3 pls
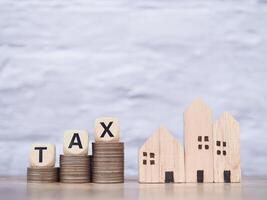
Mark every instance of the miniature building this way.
pixel 161 159
pixel 198 142
pixel 226 149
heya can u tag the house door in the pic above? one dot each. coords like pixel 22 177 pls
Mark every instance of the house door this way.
pixel 169 177
pixel 200 176
pixel 227 176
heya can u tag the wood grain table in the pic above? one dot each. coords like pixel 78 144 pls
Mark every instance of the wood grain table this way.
pixel 251 188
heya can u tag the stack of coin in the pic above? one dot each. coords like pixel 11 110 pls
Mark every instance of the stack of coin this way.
pixel 90 167
pixel 42 174
pixel 74 169
pixel 108 162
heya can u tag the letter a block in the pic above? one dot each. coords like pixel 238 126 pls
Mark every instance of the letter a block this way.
pixel 42 155
pixel 107 129
pixel 75 142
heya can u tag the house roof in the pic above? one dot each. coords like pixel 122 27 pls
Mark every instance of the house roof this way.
pixel 158 134
pixel 197 105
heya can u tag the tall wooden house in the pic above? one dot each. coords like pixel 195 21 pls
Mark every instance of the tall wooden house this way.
pixel 226 136
pixel 198 142
pixel 161 159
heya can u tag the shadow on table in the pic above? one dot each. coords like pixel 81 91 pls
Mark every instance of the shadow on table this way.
pixel 189 191
pixel 74 191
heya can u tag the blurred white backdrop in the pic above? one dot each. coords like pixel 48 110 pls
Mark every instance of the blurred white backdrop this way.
pixel 64 63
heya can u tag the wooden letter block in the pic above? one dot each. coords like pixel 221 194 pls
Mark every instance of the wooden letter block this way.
pixel 75 142
pixel 107 130
pixel 42 155
pixel 226 151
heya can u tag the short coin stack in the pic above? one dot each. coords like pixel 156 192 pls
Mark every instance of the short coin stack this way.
pixel 42 174
pixel 42 164
pixel 74 169
pixel 108 162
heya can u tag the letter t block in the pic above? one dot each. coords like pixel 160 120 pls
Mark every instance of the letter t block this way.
pixel 42 155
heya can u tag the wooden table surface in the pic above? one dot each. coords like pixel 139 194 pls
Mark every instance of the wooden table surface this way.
pixel 251 188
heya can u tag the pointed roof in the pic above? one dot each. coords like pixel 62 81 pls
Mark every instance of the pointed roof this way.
pixel 197 104
pixel 158 133
pixel 227 118
pixel 167 133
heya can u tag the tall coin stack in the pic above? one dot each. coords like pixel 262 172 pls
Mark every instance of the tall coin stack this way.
pixel 75 163
pixel 108 152
pixel 42 164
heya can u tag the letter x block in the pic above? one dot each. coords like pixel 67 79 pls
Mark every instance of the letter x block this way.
pixel 42 155
pixel 75 142
pixel 107 129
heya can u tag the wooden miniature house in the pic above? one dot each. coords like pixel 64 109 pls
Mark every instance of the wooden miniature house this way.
pixel 226 149
pixel 198 142
pixel 161 159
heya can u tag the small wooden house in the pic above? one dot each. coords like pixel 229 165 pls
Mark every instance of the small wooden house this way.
pixel 226 136
pixel 161 159
pixel 198 142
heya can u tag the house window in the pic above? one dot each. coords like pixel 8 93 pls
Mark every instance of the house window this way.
pixel 148 160
pixel 152 155
pixel 221 148
pixel 203 143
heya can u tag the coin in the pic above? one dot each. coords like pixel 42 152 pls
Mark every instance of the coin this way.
pixel 42 174
pixel 108 162
pixel 74 169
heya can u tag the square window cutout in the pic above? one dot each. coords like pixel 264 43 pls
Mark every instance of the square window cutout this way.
pixel 152 155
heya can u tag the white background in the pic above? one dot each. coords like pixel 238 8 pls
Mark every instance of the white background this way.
pixel 64 63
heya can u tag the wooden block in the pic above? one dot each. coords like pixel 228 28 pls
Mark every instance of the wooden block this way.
pixel 42 155
pixel 75 142
pixel 161 159
pixel 226 153
pixel 198 142
pixel 107 129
